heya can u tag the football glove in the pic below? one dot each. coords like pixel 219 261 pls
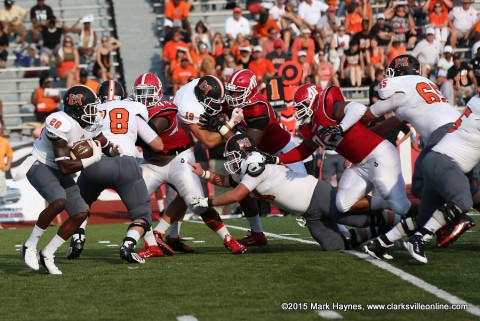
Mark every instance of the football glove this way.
pixel 269 159
pixel 204 202
pixel 336 130
pixel 210 123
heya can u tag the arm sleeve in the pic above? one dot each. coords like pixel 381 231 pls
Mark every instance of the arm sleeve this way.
pixel 382 107
pixel 353 112
pixel 297 154
pixel 145 132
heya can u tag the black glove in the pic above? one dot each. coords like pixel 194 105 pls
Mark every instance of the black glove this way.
pixel 209 122
pixel 269 159
pixel 336 130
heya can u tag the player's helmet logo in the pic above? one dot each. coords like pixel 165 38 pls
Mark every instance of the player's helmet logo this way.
pixel 205 87
pixel 75 99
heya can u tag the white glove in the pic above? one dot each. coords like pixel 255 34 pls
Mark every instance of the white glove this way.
pixel 197 202
pixel 96 157
pixel 237 117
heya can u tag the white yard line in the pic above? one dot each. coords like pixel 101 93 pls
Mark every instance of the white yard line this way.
pixel 187 317
pixel 329 314
pixel 439 293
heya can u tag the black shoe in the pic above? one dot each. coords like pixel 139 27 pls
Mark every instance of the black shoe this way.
pixel 375 249
pixel 76 245
pixel 128 254
pixel 177 245
pixel 416 247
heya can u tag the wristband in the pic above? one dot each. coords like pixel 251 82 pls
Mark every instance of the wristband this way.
pixel 210 202
pixel 230 124
pixel 106 144
pixel 224 130
pixel 206 174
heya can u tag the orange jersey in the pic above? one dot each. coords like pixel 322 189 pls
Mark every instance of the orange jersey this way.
pixel 180 12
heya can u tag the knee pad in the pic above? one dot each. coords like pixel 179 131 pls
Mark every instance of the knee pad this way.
pixel 407 226
pixel 451 211
pixel 146 226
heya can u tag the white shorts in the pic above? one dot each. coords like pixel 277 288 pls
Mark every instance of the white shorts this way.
pixel 177 173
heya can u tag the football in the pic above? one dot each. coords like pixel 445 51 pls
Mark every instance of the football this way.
pixel 82 149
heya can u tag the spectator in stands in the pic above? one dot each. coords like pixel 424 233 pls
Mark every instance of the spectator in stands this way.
pixel 201 55
pixel 207 68
pixel 240 41
pixel 103 63
pixel 3 48
pixel 284 19
pixel 13 18
pixel 373 88
pixel 219 45
pixel 374 58
pixel 475 63
pixel 402 23
pixel 261 31
pixel 334 59
pixel 260 66
pixel 462 19
pixel 245 57
pixel 325 75
pixel 6 155
pixel 340 41
pixel 382 31
pixel 178 10
pixel 438 19
pixel 203 34
pixel 181 53
pixel 308 72
pixel 427 52
pixel 220 60
pixel 88 37
pixel 352 65
pixel 236 24
pixel 446 87
pixel 394 48
pixel 40 14
pixel 278 56
pixel 229 67
pixel 445 62
pixel 462 78
pixel 171 47
pixel 327 26
pixel 52 36
pixel 176 26
pixel 310 11
pixel 363 37
pixel 183 74
pixel 364 8
pixel 353 19
pixel 45 99
pixel 84 80
pixel 304 42
pixel 269 43
pixel 68 61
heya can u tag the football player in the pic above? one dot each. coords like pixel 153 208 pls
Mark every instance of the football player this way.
pixel 417 100
pixel 171 165
pixel 326 119
pixel 241 91
pixel 123 122
pixel 315 199
pixel 50 167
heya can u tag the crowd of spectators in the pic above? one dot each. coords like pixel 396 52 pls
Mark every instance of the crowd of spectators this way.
pixel 333 42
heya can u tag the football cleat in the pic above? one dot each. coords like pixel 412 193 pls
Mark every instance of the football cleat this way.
pixel 451 232
pixel 375 249
pixel 30 257
pixel 49 264
pixel 233 246
pixel 128 254
pixel 177 245
pixel 167 250
pixel 416 247
pixel 150 251
pixel 76 245
pixel 254 239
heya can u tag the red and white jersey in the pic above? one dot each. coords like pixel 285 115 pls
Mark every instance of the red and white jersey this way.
pixel 174 136
pixel 355 144
pixel 276 183
pixel 423 105
pixel 462 143
pixel 60 125
pixel 189 109
pixel 120 123
pixel 274 136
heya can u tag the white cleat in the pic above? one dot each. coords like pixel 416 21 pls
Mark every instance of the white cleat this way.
pixel 49 264
pixel 30 257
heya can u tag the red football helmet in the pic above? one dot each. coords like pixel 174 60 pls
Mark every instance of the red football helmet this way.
pixel 147 90
pixel 328 97
pixel 240 88
pixel 303 100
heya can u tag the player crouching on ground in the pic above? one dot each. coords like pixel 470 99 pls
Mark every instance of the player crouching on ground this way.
pixel 315 199
pixel 50 167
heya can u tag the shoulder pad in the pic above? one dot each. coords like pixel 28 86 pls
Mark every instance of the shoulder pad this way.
pixel 138 109
pixel 390 86
pixel 253 165
pixel 59 122
pixel 255 169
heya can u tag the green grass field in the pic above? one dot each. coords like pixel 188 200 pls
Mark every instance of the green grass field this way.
pixel 215 285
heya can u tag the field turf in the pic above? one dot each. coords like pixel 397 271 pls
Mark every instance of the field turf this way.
pixel 216 285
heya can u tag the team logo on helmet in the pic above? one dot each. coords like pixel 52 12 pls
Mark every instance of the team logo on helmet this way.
pixel 75 99
pixel 205 87
pixel 244 143
pixel 401 62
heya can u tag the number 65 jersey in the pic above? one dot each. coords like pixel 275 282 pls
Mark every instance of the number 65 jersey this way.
pixel 423 105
